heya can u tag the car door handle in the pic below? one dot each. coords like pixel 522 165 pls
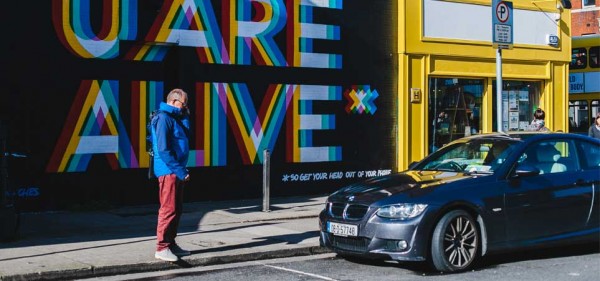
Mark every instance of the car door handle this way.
pixel 581 182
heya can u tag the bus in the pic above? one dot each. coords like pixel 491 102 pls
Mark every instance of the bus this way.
pixel 584 82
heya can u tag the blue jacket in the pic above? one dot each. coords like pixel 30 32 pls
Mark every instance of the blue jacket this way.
pixel 170 141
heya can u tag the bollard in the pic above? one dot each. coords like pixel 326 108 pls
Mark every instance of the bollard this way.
pixel 266 181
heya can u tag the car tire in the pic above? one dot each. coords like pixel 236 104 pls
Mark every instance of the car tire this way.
pixel 455 242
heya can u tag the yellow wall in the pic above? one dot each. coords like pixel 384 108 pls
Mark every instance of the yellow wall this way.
pixel 422 58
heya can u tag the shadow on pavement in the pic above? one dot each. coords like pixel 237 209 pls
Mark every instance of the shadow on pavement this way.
pixel 52 228
pixel 133 242
pixel 424 268
pixel 264 241
pixel 538 254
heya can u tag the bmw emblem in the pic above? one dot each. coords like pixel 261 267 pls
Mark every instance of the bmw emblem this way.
pixel 351 198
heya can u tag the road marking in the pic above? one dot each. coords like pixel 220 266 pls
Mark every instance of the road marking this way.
pixel 300 272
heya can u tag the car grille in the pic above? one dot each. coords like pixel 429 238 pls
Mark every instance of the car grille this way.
pixel 354 244
pixel 337 209
pixel 348 211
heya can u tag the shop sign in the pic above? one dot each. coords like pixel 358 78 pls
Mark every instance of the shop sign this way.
pixel 593 86
pixel 576 83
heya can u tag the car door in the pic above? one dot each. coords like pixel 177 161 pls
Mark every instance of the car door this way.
pixel 590 177
pixel 552 202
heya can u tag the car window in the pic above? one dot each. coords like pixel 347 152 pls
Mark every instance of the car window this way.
pixel 551 156
pixel 590 155
pixel 479 155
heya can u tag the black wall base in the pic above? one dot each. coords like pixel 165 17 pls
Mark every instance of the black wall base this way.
pixel 9 223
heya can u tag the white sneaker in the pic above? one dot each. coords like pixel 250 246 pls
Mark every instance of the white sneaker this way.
pixel 176 250
pixel 166 255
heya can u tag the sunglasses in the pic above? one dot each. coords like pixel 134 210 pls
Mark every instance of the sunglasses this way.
pixel 182 103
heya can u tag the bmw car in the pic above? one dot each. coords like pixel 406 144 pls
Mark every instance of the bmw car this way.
pixel 476 195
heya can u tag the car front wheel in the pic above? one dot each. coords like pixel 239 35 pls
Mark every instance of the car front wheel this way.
pixel 455 242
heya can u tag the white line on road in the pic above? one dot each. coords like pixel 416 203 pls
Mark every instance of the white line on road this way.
pixel 300 272
pixel 209 268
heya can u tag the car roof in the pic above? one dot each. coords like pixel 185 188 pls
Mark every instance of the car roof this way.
pixel 528 136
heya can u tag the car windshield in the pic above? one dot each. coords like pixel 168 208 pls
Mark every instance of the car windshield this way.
pixel 473 156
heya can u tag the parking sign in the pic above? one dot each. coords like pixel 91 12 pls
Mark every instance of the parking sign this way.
pixel 502 26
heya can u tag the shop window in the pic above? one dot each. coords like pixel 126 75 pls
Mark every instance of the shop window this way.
pixel 578 116
pixel 595 57
pixel 578 58
pixel 519 100
pixel 454 109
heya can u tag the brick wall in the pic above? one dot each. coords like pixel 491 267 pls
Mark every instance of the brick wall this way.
pixel 584 21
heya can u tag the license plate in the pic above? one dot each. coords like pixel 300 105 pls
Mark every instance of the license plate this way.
pixel 342 229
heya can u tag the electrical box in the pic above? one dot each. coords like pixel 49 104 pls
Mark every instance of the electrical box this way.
pixel 415 95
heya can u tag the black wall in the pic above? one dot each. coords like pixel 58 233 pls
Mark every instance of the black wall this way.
pixel 41 79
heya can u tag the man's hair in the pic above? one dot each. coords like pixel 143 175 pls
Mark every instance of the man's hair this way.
pixel 177 94
pixel 539 114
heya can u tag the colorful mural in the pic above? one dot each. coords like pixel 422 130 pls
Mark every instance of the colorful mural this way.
pixel 312 82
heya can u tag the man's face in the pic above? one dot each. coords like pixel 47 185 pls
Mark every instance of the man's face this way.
pixel 179 103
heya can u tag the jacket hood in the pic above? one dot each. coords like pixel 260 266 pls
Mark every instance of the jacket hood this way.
pixel 170 109
pixel 413 183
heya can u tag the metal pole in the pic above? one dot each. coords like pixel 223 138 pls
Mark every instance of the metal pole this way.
pixel 499 89
pixel 266 181
pixel 435 114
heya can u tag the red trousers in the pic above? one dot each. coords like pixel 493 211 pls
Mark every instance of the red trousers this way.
pixel 170 194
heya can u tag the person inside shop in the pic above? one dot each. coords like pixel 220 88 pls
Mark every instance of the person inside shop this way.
pixel 594 130
pixel 538 124
pixel 442 130
pixel 443 123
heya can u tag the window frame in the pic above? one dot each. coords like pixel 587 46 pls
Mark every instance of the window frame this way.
pixel 562 146
pixel 573 64
pixel 575 110
pixel 594 52
pixel 585 150
pixel 588 5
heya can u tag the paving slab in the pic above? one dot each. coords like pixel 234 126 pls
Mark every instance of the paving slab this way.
pixel 75 245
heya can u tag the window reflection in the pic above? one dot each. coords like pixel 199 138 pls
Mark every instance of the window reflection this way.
pixel 454 109
pixel 578 58
pixel 578 116
pixel 519 100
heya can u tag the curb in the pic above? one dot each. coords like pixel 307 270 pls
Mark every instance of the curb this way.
pixel 157 265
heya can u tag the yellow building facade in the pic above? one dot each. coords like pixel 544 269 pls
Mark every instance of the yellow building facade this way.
pixel 447 71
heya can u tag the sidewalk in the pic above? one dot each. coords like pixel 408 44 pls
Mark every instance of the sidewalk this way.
pixel 68 245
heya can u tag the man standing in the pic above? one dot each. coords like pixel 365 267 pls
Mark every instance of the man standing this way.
pixel 170 130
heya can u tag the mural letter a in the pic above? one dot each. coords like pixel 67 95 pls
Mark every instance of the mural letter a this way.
pixel 92 127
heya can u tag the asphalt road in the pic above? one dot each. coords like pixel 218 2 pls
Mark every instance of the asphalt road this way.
pixel 568 263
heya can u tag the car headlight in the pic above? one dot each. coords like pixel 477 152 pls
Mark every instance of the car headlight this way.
pixel 401 211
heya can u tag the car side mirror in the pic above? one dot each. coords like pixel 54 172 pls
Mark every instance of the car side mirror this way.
pixel 525 170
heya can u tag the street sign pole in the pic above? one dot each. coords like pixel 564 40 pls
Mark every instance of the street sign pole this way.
pixel 499 111
pixel 502 38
